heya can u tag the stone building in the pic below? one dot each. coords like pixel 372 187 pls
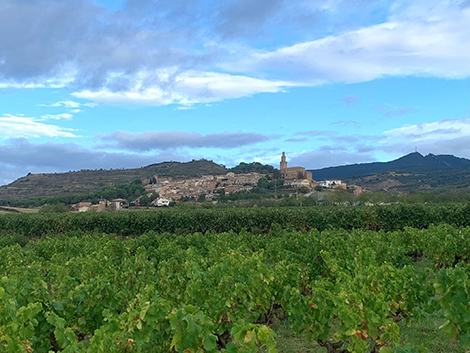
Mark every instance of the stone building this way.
pixel 293 173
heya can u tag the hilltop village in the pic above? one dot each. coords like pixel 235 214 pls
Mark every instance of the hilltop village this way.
pixel 164 191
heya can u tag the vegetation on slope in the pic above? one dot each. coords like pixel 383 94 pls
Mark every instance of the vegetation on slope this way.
pixel 256 167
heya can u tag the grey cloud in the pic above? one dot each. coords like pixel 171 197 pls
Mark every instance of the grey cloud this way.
pixel 347 122
pixel 351 100
pixel 329 148
pixel 162 140
pixel 254 150
pixel 252 19
pixel 300 139
pixel 391 111
pixel 355 138
pixel 328 158
pixel 247 17
pixel 83 43
pixel 332 136
pixel 347 139
pixel 317 133
pixel 19 156
pixel 364 148
pixel 50 38
pixel 464 5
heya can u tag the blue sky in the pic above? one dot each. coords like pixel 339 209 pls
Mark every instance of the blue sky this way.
pixel 117 84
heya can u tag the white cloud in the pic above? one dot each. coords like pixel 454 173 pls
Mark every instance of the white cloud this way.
pixel 447 136
pixel 33 84
pixel 65 116
pixel 72 107
pixel 404 46
pixel 19 126
pixel 187 88
pixel 440 130
pixel 68 104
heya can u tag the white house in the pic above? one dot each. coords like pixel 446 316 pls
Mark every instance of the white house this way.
pixel 118 203
pixel 162 202
pixel 331 183
pixel 298 183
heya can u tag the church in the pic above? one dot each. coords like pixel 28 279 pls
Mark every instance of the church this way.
pixel 293 173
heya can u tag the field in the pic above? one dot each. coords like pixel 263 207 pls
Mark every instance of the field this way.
pixel 384 279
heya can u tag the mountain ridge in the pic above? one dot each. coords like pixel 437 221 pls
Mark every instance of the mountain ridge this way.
pixel 412 162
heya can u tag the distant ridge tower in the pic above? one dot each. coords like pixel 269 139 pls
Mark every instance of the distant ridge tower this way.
pixel 283 163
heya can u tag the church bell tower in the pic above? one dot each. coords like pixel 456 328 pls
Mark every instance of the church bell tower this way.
pixel 283 166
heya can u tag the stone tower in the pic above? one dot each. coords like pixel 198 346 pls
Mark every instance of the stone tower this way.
pixel 283 163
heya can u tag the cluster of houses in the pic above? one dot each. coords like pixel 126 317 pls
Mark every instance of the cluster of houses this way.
pixel 169 190
pixel 102 205
pixel 208 187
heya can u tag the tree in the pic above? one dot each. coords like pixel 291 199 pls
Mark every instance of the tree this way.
pixel 201 198
pixel 145 201
pixel 262 182
pixel 342 196
pixel 319 188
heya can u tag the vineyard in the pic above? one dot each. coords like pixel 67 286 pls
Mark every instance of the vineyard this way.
pixel 254 220
pixel 345 279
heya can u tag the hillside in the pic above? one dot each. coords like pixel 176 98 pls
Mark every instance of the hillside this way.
pixel 89 181
pixel 438 181
pixel 413 172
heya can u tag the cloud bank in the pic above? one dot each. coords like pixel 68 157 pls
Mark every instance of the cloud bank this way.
pixel 164 140
pixel 180 52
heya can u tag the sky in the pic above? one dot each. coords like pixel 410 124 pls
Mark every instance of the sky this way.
pixel 121 84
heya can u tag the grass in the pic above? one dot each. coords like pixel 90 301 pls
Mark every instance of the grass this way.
pixel 287 342
pixel 4 209
pixel 427 334
pixel 424 332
